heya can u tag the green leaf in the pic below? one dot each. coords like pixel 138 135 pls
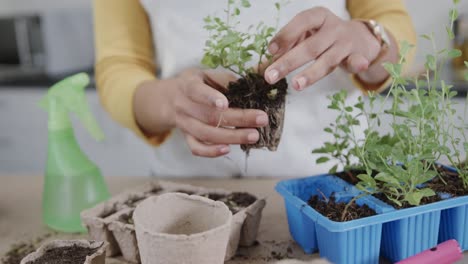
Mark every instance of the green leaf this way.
pixel 348 109
pixel 394 200
pixel 210 61
pixel 466 63
pixel 322 160
pixel 425 36
pixel 456 2
pixel 450 33
pixel 455 53
pixel 431 62
pixel 366 178
pixel 245 3
pixel 387 178
pixel 405 47
pixel 237 11
pixel 328 130
pixel 427 192
pixel 207 19
pixel 414 198
pixel 359 106
pixel 278 6
pixel 453 14
pixel 320 151
pixel 333 169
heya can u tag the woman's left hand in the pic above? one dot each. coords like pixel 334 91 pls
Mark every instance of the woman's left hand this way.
pixel 318 34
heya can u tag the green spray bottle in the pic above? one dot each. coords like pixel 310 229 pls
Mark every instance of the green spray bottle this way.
pixel 72 181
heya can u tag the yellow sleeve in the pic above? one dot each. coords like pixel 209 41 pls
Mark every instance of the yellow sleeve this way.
pixel 394 17
pixel 124 58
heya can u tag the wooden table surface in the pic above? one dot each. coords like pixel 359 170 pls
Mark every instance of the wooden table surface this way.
pixel 20 215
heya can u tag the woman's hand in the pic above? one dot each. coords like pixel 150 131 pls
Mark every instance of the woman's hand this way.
pixel 192 101
pixel 318 34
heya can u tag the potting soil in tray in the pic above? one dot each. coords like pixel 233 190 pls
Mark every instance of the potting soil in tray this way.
pixel 65 255
pixel 20 250
pixel 235 201
pixel 453 183
pixel 254 92
pixel 334 210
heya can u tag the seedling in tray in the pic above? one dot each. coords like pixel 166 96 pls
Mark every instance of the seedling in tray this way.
pixel 234 50
pixel 401 168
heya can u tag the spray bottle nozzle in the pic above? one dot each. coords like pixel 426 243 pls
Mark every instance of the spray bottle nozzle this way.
pixel 67 96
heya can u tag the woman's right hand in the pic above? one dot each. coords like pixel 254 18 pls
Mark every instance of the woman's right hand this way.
pixel 192 102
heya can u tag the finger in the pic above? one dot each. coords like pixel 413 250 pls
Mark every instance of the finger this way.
pixel 204 94
pixel 219 79
pixel 216 135
pixel 232 117
pixel 323 66
pixel 356 63
pixel 307 20
pixel 306 51
pixel 204 150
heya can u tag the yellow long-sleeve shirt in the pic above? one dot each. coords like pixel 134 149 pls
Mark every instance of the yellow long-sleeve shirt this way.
pixel 125 54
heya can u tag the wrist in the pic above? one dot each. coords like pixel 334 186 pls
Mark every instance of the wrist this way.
pixel 384 48
pixel 153 108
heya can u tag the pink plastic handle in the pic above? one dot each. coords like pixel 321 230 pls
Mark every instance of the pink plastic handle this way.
pixel 447 252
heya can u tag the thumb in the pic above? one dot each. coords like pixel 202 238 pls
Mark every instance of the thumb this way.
pixel 219 79
pixel 355 63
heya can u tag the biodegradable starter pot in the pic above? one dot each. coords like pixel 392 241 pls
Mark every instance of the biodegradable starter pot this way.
pixel 176 228
pixel 82 252
pixel 124 233
pixel 97 219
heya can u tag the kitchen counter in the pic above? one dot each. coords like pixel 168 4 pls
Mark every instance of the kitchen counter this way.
pixel 20 216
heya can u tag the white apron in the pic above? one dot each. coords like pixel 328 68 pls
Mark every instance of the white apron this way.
pixel 179 39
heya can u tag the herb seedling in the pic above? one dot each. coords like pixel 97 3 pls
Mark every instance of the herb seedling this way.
pixel 422 132
pixel 235 50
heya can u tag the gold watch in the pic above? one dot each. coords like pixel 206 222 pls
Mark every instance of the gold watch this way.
pixel 380 34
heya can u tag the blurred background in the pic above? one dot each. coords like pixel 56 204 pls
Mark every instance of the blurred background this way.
pixel 42 41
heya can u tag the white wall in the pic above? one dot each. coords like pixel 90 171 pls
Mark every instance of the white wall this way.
pixel 431 16
pixel 428 15
pixel 8 7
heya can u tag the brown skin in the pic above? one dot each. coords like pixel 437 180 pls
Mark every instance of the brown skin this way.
pixel 318 34
pixel 192 101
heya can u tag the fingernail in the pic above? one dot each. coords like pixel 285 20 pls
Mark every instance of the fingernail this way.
pixel 301 83
pixel 219 103
pixel 224 149
pixel 262 120
pixel 252 137
pixel 273 75
pixel 273 48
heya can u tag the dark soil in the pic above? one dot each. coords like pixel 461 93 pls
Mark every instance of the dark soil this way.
pixel 254 92
pixel 20 250
pixel 453 184
pixel 127 219
pixel 234 201
pixel 216 196
pixel 241 199
pixel 133 202
pixel 185 191
pixel 334 210
pixel 350 176
pixel 65 255
pixel 154 191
